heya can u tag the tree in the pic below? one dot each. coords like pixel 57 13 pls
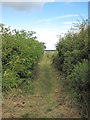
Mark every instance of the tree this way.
pixel 43 44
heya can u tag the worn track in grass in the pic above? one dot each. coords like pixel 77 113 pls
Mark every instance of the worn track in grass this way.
pixel 49 99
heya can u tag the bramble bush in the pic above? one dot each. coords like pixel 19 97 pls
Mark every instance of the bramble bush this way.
pixel 20 54
pixel 72 60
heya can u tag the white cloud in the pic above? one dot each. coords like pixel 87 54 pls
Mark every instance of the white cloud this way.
pixel 59 17
pixel 49 35
pixel 25 4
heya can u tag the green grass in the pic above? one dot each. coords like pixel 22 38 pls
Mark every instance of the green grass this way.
pixel 28 115
pixel 47 76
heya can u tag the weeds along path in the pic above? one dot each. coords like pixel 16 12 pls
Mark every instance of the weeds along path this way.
pixel 49 100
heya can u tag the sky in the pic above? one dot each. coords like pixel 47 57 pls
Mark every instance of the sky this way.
pixel 47 19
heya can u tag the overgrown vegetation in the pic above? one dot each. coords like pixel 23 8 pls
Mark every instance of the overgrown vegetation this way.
pixel 48 101
pixel 20 54
pixel 72 60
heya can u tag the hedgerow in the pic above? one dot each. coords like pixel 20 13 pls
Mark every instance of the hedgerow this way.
pixel 72 60
pixel 21 52
pixel 78 84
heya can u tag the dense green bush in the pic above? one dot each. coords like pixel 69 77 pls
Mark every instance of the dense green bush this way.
pixel 72 60
pixel 78 83
pixel 72 48
pixel 20 53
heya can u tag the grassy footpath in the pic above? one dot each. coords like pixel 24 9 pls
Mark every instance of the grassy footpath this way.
pixel 48 98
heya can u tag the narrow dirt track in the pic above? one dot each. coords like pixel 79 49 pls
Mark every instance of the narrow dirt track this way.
pixel 49 100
